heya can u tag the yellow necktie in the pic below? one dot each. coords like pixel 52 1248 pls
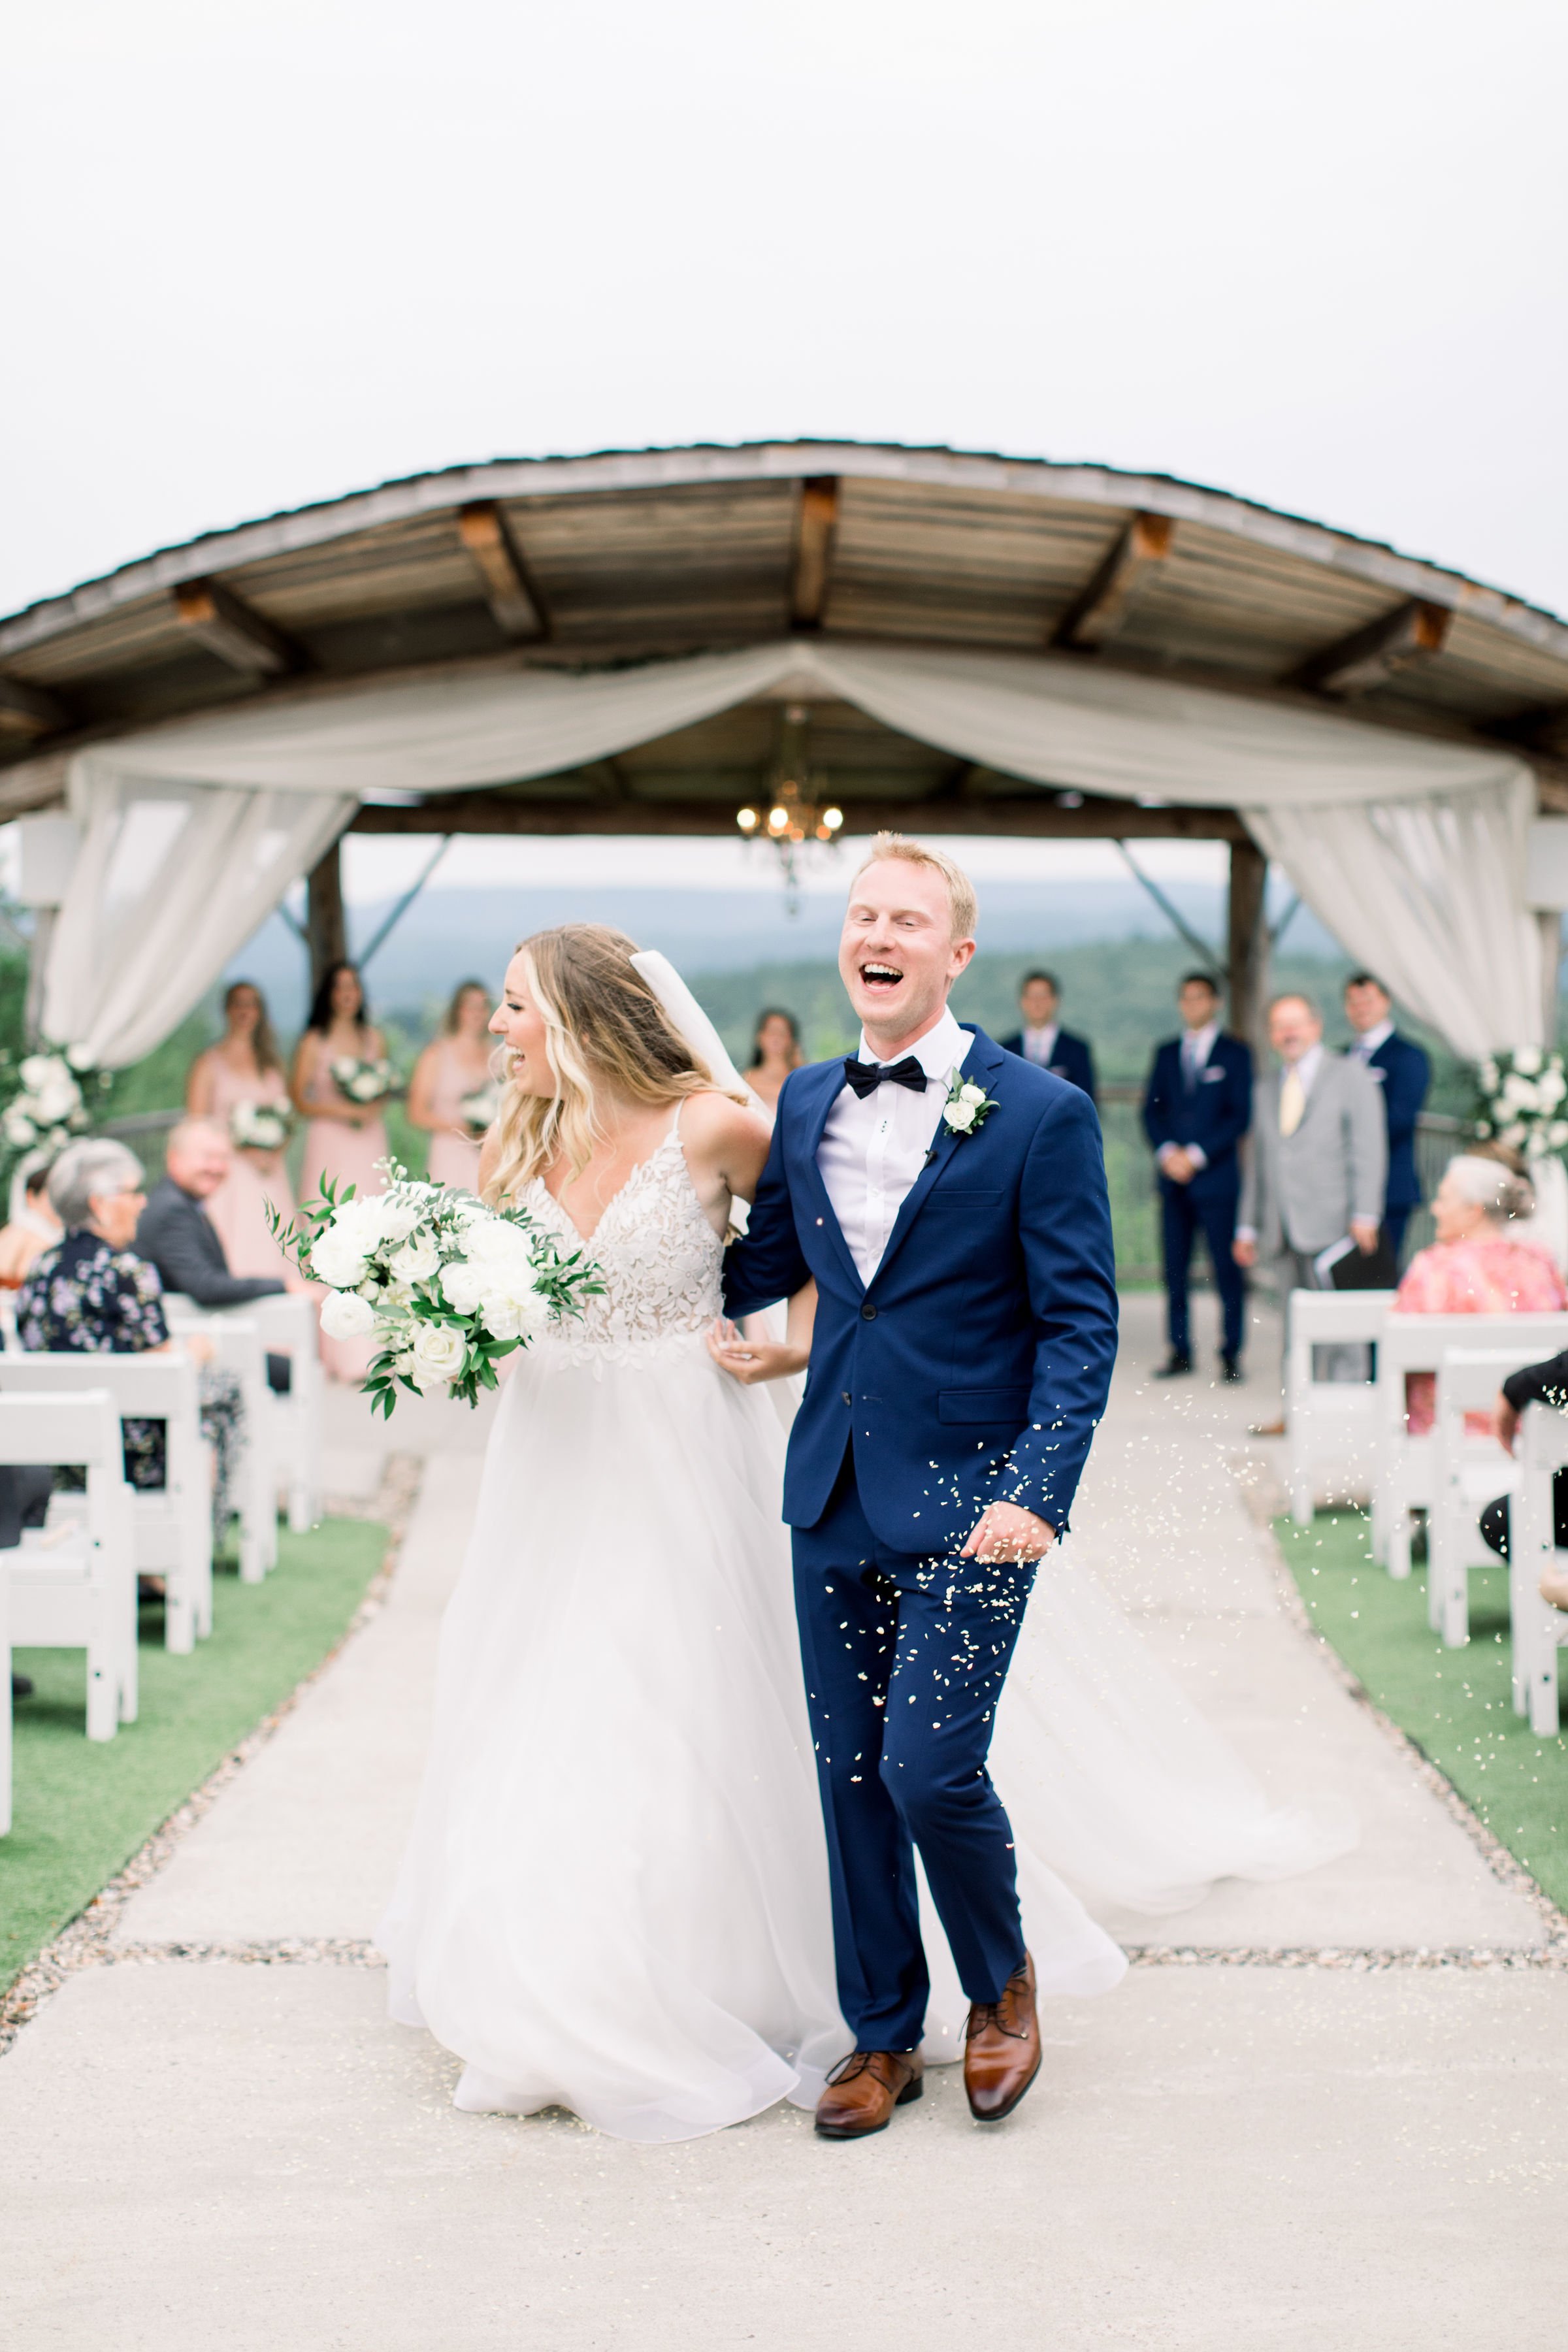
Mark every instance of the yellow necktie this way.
pixel 1292 1102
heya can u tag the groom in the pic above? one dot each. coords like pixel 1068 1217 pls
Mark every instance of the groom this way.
pixel 949 1200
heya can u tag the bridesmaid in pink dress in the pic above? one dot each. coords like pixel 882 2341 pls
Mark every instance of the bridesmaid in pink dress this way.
pixel 1475 1266
pixel 457 1063
pixel 343 1139
pixel 245 1066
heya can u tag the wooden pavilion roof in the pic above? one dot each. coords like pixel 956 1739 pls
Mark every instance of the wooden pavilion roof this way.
pixel 621 557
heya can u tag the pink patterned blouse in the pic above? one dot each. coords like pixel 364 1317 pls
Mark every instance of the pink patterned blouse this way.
pixel 1488 1274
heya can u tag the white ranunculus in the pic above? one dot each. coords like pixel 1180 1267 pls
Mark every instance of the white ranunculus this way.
pixel 439 1354
pixel 1528 1060
pixel 515 1302
pixel 503 1249
pixel 462 1286
pixel 959 1115
pixel 417 1261
pixel 346 1315
pixel 337 1258
pixel 19 1130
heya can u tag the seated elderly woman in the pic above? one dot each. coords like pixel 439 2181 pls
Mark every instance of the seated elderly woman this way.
pixel 1476 1266
pixel 91 1292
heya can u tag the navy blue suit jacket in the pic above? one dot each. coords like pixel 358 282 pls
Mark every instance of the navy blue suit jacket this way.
pixel 1073 1058
pixel 1214 1114
pixel 1403 1073
pixel 975 1368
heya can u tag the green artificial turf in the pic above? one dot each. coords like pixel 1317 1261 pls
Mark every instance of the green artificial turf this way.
pixel 82 1808
pixel 1456 1705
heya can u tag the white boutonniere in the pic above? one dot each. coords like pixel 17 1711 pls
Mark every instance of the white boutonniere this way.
pixel 967 1106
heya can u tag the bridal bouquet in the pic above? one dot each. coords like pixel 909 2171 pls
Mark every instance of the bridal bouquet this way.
pixel 444 1284
pixel 366 1082
pixel 259 1126
pixel 479 1108
pixel 50 1108
pixel 1522 1100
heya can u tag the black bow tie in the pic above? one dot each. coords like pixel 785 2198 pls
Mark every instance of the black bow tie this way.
pixel 867 1077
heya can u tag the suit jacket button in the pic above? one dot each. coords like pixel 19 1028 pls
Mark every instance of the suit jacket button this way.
pixel 868 1313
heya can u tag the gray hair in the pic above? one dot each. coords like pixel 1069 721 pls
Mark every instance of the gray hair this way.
pixel 1490 1185
pixel 83 1169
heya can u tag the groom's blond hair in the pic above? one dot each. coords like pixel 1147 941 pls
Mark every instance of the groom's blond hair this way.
pixel 961 897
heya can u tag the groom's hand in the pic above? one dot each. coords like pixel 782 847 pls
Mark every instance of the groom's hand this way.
pixel 1005 1532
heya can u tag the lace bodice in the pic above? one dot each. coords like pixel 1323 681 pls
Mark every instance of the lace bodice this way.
pixel 658 1256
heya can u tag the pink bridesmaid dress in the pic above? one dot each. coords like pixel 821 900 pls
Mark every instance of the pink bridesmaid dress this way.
pixel 238 1207
pixel 453 1156
pixel 342 1155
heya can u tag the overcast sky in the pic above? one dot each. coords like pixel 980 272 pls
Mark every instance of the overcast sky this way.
pixel 268 251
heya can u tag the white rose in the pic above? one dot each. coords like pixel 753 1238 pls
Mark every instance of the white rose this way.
pixel 1488 1075
pixel 397 1219
pixel 500 1245
pixel 417 1261
pixel 1528 1059
pixel 346 1315
pixel 959 1115
pixel 57 1100
pixel 35 1070
pixel 513 1309
pixel 972 1094
pixel 337 1258
pixel 81 1058
pixel 439 1354
pixel 462 1286
pixel 19 1130
pixel 1551 1088
pixel 1559 1133
pixel 1518 1093
pixel 1513 1136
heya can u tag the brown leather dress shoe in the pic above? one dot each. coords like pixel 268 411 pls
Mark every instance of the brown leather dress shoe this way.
pixel 863 2090
pixel 1002 2048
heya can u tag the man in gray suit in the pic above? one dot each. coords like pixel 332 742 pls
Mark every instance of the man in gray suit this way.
pixel 1318 1160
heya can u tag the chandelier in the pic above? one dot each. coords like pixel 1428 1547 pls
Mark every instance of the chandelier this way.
pixel 797 809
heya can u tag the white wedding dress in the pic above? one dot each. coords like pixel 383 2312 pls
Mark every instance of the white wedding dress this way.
pixel 615 1898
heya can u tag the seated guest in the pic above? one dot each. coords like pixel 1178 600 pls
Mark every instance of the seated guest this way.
pixel 34 1229
pixel 176 1235
pixel 1475 1266
pixel 1197 1107
pixel 93 1294
pixel 1543 1383
pixel 1042 1042
pixel 1403 1071
pixel 776 1051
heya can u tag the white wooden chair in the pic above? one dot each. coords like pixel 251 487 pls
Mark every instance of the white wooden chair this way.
pixel 1538 1630
pixel 1471 1471
pixel 1407 1466
pixel 1331 1425
pixel 235 1342
pixel 286 1323
pixel 173 1525
pixel 74 1588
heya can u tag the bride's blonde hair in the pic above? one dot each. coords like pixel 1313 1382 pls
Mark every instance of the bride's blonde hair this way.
pixel 603 1029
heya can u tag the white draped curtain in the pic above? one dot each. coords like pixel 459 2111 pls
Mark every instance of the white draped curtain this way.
pixel 1410 849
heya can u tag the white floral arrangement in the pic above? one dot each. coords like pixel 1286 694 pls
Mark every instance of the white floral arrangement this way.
pixel 259 1126
pixel 366 1082
pixel 445 1285
pixel 50 1108
pixel 1521 1101
pixel 479 1108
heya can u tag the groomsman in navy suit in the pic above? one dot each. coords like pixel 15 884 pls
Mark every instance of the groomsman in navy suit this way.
pixel 1042 1042
pixel 1403 1073
pixel 1197 1108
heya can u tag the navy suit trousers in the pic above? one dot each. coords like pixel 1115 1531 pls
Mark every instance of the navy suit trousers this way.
pixel 1186 1213
pixel 904 1664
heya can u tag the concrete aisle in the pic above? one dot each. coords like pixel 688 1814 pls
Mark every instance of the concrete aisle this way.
pixel 1239 2151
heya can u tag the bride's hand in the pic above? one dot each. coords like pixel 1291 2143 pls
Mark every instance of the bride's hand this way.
pixel 750 1360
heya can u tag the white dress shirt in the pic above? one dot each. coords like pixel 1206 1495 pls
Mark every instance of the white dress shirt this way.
pixel 1368 1042
pixel 1307 1069
pixel 1040 1044
pixel 873 1147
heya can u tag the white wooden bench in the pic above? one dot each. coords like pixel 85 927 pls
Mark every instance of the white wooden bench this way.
pixel 288 1326
pixel 1471 1471
pixel 1538 1630
pixel 236 1347
pixel 1407 1464
pixel 73 1587
pixel 172 1524
pixel 1331 1425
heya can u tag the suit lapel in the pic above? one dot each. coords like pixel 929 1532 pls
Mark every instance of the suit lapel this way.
pixel 981 1063
pixel 815 1115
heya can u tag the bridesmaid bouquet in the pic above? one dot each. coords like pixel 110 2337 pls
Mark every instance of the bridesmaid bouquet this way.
pixel 444 1284
pixel 366 1082
pixel 259 1126
pixel 479 1108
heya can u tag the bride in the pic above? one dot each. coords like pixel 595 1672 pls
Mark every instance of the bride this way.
pixel 615 1898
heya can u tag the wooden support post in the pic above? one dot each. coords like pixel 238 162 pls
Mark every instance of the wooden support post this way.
pixel 325 930
pixel 1247 946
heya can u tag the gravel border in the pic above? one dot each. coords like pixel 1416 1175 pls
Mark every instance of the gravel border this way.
pixel 85 1942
